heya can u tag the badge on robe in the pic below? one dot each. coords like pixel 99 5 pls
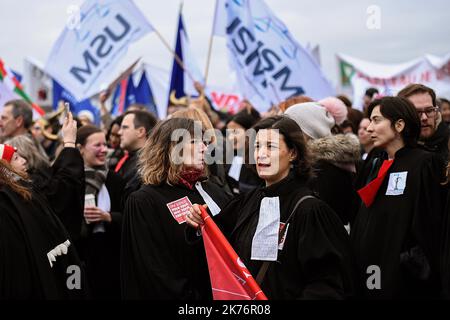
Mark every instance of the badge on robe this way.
pixel 397 183
pixel 179 209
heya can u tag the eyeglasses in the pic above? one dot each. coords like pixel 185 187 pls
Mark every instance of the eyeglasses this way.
pixel 428 111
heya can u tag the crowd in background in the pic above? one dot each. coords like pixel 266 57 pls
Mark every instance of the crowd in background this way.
pixel 362 193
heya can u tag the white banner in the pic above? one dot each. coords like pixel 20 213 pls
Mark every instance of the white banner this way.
pixel 91 46
pixel 37 83
pixel 6 95
pixel 430 70
pixel 270 64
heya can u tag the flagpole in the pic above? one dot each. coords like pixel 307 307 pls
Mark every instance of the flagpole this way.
pixel 177 58
pixel 211 37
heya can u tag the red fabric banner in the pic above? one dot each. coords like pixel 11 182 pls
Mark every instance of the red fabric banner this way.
pixel 230 279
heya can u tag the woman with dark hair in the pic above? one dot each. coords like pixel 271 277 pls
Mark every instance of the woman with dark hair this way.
pixel 241 178
pixel 396 234
pixel 38 258
pixel 99 245
pixel 156 261
pixel 311 260
pixel 115 153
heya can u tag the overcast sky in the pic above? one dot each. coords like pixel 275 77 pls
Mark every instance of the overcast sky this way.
pixel 408 29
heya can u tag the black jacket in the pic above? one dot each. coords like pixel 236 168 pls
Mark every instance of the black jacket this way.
pixel 334 157
pixel 438 143
pixel 101 251
pixel 129 168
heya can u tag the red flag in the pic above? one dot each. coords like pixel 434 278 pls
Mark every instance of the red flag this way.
pixel 230 279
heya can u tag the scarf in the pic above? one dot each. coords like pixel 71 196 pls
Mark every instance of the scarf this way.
pixel 369 192
pixel 189 177
pixel 95 179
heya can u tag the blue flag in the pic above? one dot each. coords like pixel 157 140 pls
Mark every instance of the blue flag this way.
pixel 144 95
pixel 59 93
pixel 177 77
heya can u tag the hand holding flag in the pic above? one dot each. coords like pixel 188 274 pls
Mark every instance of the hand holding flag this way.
pixel 230 279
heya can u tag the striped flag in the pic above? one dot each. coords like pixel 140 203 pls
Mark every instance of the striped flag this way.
pixel 10 83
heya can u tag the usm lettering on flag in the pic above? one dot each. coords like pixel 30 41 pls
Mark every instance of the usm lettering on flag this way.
pixel 84 56
pixel 270 64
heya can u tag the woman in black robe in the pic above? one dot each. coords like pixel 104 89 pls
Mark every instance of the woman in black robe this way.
pixel 38 258
pixel 314 260
pixel 62 183
pixel 396 235
pixel 99 244
pixel 156 260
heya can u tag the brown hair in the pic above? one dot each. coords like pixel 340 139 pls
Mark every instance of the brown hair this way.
pixel 414 88
pixel 196 115
pixel 7 178
pixel 155 163
pixel 345 100
pixel 85 132
pixel 284 105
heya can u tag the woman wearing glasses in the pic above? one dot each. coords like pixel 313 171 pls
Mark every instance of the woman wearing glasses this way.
pixel 396 235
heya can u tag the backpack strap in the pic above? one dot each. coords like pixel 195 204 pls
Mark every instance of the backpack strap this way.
pixel 265 266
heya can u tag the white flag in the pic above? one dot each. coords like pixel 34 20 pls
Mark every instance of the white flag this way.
pixel 91 46
pixel 37 83
pixel 270 64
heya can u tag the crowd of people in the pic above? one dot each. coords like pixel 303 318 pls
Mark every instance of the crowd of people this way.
pixel 112 212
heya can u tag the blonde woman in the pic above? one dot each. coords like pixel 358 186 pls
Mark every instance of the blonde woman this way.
pixel 156 261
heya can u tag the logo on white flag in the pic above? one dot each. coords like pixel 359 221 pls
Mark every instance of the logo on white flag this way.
pixel 270 65
pixel 86 52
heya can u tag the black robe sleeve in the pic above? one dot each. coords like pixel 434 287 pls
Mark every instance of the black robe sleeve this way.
pixel 115 185
pixel 323 253
pixel 65 190
pixel 428 215
pixel 148 270
pixel 445 250
pixel 16 276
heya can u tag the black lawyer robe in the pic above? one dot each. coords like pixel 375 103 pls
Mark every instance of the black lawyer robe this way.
pixel 400 233
pixel 156 260
pixel 28 231
pixel 129 168
pixel 101 251
pixel 63 185
pixel 315 262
